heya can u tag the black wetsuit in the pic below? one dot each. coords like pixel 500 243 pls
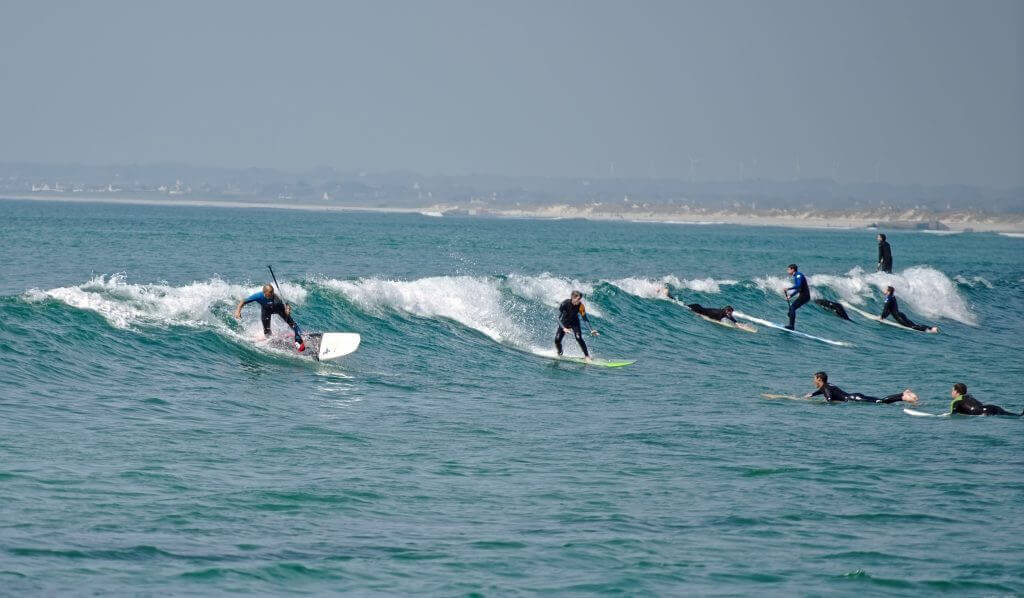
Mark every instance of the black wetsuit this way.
pixel 711 312
pixel 569 317
pixel 797 299
pixel 884 257
pixel 834 394
pixel 968 405
pixel 833 306
pixel 892 308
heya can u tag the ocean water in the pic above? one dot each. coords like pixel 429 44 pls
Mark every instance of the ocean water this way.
pixel 149 446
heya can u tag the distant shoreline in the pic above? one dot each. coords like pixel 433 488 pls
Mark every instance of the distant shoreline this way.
pixel 955 222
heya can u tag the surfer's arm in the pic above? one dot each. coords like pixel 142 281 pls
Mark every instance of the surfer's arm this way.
pixel 887 311
pixel 244 302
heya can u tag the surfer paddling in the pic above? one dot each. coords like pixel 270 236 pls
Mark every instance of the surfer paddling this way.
pixel 271 304
pixel 797 295
pixel 569 313
pixel 892 308
pixel 715 314
pixel 834 394
pixel 965 404
pixel 834 307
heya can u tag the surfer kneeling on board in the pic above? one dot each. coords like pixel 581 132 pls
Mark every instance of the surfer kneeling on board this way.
pixel 714 314
pixel 835 394
pixel 965 404
pixel 797 295
pixel 271 304
pixel 833 306
pixel 569 313
pixel 893 309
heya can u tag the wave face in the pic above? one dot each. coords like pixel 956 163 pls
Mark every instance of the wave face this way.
pixel 152 443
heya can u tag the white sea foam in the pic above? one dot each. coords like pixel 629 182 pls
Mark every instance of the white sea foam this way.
pixel 474 302
pixel 921 289
pixel 1013 235
pixel 124 304
pixel 652 288
pixel 548 289
pixel 973 281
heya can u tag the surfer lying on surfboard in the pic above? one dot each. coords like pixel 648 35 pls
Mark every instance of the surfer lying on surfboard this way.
pixel 834 307
pixel 892 308
pixel 965 404
pixel 270 304
pixel 569 313
pixel 834 394
pixel 715 314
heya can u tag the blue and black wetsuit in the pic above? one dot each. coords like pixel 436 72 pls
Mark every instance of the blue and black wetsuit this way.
pixel 800 294
pixel 834 394
pixel 892 308
pixel 569 317
pixel 269 307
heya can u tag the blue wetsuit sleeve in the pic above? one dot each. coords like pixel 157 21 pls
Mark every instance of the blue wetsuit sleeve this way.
pixel 253 297
pixel 796 283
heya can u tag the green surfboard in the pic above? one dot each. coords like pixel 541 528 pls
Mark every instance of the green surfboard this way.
pixel 607 363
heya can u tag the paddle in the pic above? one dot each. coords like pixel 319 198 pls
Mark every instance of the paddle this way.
pixel 288 310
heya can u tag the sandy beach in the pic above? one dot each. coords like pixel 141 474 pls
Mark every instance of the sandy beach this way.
pixel 907 219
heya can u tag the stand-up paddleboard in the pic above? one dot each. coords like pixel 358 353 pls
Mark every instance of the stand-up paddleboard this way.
pixel 886 321
pixel 744 316
pixel 727 323
pixel 917 413
pixel 332 345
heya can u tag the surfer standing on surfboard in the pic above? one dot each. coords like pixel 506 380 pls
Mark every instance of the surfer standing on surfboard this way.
pixel 835 394
pixel 569 313
pixel 271 304
pixel 893 309
pixel 797 295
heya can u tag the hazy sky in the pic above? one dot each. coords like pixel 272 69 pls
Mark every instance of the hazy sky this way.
pixel 913 91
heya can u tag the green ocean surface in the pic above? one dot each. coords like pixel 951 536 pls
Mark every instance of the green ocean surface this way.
pixel 149 446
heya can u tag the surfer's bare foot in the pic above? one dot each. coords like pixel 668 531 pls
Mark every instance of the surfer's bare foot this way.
pixel 588 359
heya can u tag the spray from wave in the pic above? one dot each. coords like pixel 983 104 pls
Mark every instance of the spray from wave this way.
pixel 922 289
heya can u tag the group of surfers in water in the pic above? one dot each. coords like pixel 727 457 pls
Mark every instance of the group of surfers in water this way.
pixel 572 311
pixel 962 404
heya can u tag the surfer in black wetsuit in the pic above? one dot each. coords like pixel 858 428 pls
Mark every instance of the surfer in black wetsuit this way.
pixel 892 308
pixel 884 255
pixel 833 306
pixel 965 404
pixel 569 313
pixel 797 295
pixel 834 394
pixel 715 314
pixel 271 304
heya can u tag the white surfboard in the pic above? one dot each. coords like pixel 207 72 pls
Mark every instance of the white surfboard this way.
pixel 337 344
pixel 744 316
pixel 877 318
pixel 917 413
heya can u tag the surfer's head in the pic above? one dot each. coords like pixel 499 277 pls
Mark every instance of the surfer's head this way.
pixel 728 309
pixel 792 269
pixel 890 291
pixel 268 291
pixel 881 237
pixel 576 297
pixel 959 389
pixel 820 379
